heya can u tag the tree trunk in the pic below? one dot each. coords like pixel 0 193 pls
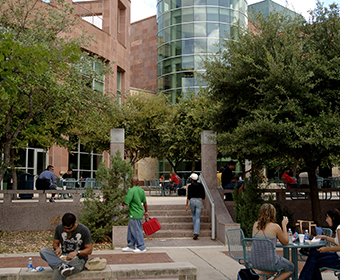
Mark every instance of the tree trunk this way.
pixel 316 208
pixel 193 166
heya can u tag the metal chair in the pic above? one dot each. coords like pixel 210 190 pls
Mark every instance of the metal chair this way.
pixel 298 195
pixel 235 248
pixel 259 255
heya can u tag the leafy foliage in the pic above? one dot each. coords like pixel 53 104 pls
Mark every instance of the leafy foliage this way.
pixel 276 92
pixel 99 214
pixel 180 133
pixel 44 96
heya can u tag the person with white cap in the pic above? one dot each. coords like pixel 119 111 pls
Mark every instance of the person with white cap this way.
pixel 195 198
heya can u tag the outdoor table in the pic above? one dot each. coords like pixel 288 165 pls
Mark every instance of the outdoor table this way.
pixel 165 184
pixel 293 247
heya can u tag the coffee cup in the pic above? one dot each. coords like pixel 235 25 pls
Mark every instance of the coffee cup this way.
pixel 301 238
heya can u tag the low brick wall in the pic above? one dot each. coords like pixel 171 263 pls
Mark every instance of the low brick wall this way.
pixel 36 213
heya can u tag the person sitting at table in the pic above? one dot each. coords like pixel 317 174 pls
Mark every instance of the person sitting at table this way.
pixel 266 227
pixel 291 183
pixel 161 179
pixel 228 179
pixel 173 180
pixel 324 256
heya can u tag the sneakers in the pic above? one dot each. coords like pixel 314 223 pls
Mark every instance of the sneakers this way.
pixel 52 199
pixel 127 249
pixel 195 236
pixel 65 269
pixel 59 189
pixel 139 251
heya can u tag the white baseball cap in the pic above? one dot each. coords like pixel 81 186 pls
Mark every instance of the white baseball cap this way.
pixel 194 176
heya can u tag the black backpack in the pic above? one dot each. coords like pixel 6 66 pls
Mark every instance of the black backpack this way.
pixel 245 274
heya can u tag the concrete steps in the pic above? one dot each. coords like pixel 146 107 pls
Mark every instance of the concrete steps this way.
pixel 176 222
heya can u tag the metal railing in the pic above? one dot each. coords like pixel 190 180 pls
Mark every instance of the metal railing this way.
pixel 212 202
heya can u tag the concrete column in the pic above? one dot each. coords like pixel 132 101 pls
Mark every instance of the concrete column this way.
pixel 117 141
pixel 209 158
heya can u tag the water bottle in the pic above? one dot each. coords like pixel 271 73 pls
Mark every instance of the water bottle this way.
pixel 29 265
pixel 306 235
pixel 290 236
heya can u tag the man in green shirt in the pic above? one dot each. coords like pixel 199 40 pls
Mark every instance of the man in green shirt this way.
pixel 134 198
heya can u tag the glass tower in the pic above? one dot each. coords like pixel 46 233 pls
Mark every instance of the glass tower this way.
pixel 188 30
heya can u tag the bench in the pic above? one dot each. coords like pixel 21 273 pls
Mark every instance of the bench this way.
pixel 185 271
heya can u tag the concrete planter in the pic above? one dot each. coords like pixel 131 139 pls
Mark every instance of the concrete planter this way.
pixel 119 235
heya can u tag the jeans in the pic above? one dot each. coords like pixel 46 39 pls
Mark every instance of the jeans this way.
pixel 285 264
pixel 135 234
pixel 196 206
pixel 315 261
pixel 54 262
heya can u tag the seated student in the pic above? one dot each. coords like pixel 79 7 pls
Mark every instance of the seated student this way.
pixel 324 256
pixel 219 177
pixel 291 183
pixel 266 227
pixel 228 180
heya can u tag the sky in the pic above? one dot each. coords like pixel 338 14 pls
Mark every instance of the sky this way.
pixel 141 9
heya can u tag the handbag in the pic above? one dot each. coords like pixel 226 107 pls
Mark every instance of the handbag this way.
pixel 151 226
pixel 245 274
pixel 96 264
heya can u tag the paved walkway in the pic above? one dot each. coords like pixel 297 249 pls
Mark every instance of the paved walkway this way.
pixel 210 257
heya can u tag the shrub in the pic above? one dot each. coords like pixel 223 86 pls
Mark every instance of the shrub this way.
pixel 99 214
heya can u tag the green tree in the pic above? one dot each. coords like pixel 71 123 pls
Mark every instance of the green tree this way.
pixel 180 134
pixel 99 214
pixel 140 116
pixel 276 92
pixel 44 94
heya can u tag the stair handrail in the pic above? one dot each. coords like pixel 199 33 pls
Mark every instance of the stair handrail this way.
pixel 212 202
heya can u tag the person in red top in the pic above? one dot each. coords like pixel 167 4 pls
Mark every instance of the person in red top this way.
pixel 173 180
pixel 291 183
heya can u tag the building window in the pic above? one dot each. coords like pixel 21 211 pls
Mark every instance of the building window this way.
pixel 121 23
pixel 98 79
pixel 84 163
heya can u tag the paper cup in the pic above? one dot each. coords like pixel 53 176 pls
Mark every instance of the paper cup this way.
pixel 301 238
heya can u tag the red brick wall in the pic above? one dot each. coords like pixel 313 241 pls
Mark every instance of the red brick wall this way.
pixel 143 55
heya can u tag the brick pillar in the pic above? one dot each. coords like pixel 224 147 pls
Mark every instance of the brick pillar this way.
pixel 209 158
pixel 117 141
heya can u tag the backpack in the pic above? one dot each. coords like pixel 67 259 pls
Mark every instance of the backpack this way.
pixel 245 274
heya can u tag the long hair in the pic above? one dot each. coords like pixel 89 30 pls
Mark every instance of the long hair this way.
pixel 267 214
pixel 334 214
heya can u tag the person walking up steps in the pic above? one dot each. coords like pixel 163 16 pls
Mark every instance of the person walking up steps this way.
pixel 195 198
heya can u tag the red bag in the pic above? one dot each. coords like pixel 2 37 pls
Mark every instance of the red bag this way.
pixel 151 226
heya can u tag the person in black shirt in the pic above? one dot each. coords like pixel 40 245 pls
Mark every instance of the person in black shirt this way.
pixel 195 198
pixel 228 179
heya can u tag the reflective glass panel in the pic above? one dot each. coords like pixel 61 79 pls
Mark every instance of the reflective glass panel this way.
pixel 235 17
pixel 200 45
pixel 188 62
pixel 167 50
pixel 188 46
pixel 200 14
pixel 176 16
pixel 212 14
pixel 167 82
pixel 176 32
pixel 30 159
pixel 200 29
pixel 225 3
pixel 187 3
pixel 160 83
pixel 187 30
pixel 167 33
pixel 167 66
pixel 213 2
pixel 176 48
pixel 213 30
pixel 160 38
pixel 225 15
pixel 212 45
pixel 160 68
pixel 176 4
pixel 160 8
pixel 224 29
pixel 176 64
pixel 166 18
pixel 166 5
pixel 200 2
pixel 187 15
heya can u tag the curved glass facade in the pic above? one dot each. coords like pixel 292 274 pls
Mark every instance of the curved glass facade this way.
pixel 188 29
